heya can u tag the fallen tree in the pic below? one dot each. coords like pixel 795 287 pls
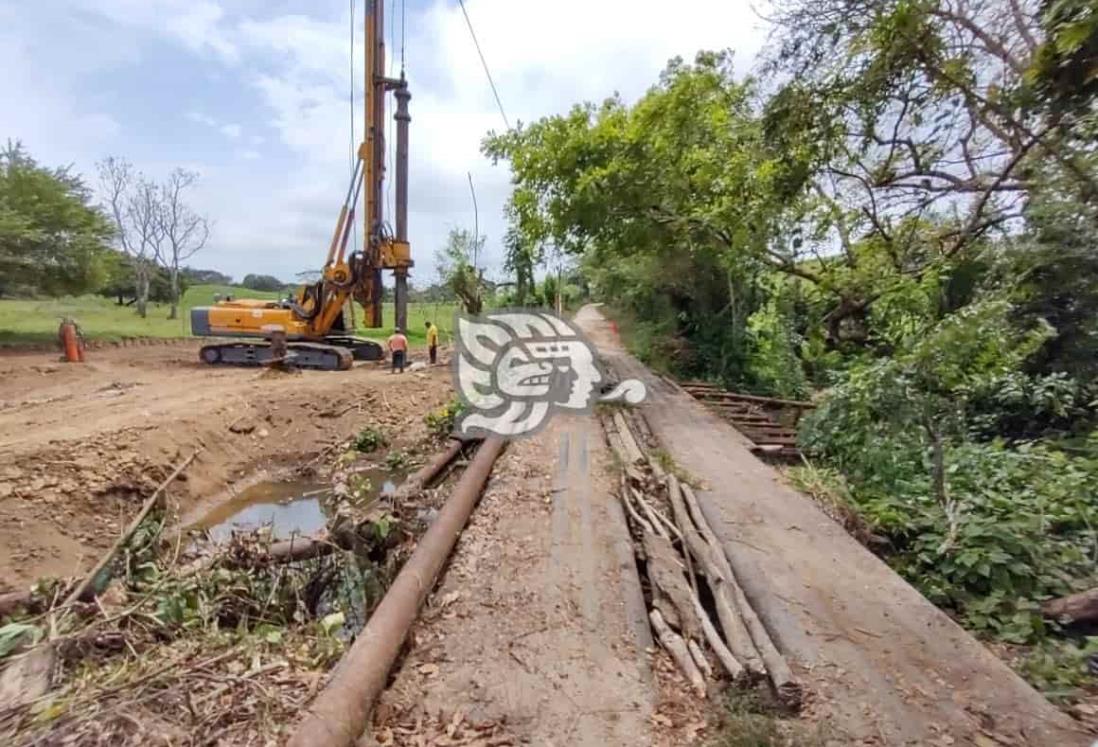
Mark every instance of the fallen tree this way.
pixel 1074 608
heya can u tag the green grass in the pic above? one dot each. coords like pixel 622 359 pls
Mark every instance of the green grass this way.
pixel 441 314
pixel 25 321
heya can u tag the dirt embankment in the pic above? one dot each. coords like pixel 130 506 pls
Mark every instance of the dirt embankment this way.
pixel 81 444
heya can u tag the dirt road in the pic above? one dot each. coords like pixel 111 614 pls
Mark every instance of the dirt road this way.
pixel 80 444
pixel 539 624
pixel 882 664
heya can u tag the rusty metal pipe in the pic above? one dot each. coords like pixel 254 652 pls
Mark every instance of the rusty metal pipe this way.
pixel 423 477
pixel 340 713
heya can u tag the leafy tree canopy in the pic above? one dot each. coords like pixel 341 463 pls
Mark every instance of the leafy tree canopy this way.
pixel 52 241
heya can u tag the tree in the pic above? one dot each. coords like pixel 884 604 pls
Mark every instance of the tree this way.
pixel 121 286
pixel 206 277
pixel 455 267
pixel 922 132
pixel 185 232
pixel 134 204
pixel 522 256
pixel 266 283
pixel 52 240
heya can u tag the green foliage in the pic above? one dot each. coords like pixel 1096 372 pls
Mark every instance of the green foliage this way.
pixel 197 276
pixel 441 421
pixel 269 283
pixel 13 635
pixel 983 527
pixel 458 265
pixel 52 241
pixel 1059 668
pixel 120 284
pixel 774 344
pixel 396 460
pixel 370 439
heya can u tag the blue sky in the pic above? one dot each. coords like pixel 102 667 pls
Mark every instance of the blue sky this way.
pixel 254 95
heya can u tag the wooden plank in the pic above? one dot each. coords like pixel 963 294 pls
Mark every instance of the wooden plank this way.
pixel 709 393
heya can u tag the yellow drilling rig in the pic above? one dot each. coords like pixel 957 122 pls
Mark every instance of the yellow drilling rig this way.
pixel 312 319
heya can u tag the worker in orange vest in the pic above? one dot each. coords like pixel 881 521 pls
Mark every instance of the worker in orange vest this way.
pixel 398 349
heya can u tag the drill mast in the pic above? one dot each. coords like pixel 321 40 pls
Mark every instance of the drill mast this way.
pixel 382 248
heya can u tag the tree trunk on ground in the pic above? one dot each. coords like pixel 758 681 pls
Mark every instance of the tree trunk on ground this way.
pixel 1081 607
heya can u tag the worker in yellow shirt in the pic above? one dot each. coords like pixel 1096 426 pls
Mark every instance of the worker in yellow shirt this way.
pixel 432 342
pixel 398 349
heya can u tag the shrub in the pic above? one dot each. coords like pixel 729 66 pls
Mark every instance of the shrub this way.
pixel 441 421
pixel 370 439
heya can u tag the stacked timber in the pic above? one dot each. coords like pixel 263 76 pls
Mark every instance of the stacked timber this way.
pixel 769 422
pixel 697 608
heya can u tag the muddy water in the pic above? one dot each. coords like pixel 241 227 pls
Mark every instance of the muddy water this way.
pixel 290 508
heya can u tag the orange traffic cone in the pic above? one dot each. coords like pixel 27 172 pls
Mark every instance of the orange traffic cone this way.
pixel 71 343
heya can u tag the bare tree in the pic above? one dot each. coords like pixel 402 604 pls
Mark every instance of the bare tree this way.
pixel 185 231
pixel 135 208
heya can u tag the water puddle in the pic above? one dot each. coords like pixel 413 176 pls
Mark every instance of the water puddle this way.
pixel 290 508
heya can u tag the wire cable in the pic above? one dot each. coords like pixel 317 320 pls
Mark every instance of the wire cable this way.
pixel 402 8
pixel 353 164
pixel 484 63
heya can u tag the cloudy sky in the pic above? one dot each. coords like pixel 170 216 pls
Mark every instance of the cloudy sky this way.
pixel 255 95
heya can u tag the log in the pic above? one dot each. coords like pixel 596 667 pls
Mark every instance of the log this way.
pixel 644 428
pixel 699 658
pixel 426 474
pixel 733 624
pixel 682 522
pixel 736 634
pixel 781 676
pixel 641 521
pixel 673 643
pixel 724 656
pixel 1074 608
pixel 14 601
pixel 636 456
pixel 86 588
pixel 665 573
pixel 617 446
pixel 661 522
pixel 301 548
pixel 341 711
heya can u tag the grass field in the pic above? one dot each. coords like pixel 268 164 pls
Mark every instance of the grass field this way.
pixel 25 321
pixel 441 314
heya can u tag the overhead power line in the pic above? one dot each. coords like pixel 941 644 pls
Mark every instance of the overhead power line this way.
pixel 484 63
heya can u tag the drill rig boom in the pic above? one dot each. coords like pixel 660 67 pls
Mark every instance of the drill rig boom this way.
pixel 313 319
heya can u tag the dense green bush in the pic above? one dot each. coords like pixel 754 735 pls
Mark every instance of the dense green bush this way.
pixel 984 526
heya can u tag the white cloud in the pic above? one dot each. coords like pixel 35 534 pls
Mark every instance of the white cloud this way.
pixel 200 118
pixel 544 57
pixel 200 25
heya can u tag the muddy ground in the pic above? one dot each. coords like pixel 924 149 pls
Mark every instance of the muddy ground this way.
pixel 81 445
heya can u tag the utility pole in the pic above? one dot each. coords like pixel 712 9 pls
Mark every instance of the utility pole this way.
pixel 476 237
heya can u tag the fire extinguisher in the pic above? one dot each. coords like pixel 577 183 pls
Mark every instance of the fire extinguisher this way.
pixel 72 342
